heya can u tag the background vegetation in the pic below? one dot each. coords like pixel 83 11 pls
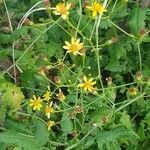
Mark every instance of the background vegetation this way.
pixel 115 115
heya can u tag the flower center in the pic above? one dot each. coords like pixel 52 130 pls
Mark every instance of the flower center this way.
pixel 36 102
pixel 87 84
pixel 48 110
pixel 62 9
pixel 97 7
pixel 73 47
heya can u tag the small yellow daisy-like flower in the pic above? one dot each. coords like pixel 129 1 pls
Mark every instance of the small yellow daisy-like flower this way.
pixel 50 124
pixel 61 95
pixel 133 91
pixel 35 103
pixel 97 8
pixel 63 10
pixel 88 84
pixel 48 110
pixel 74 47
pixel 47 96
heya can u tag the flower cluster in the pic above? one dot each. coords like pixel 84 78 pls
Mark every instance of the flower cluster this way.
pixel 37 103
pixel 62 9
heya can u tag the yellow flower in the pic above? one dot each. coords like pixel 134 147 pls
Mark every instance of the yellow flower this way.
pixel 74 47
pixel 132 91
pixel 48 110
pixel 96 8
pixel 61 95
pixel 35 103
pixel 50 124
pixel 63 10
pixel 47 96
pixel 88 84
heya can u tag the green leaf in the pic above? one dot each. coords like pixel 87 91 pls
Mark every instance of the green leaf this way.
pixel 98 114
pixel 4 38
pixel 136 20
pixel 41 132
pixel 121 8
pixel 19 32
pixel 125 120
pixel 12 96
pixel 25 142
pixel 16 126
pixel 114 67
pixel 108 137
pixel 66 124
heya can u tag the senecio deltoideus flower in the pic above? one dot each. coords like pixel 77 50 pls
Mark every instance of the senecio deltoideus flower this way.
pixel 35 103
pixel 61 97
pixel 96 8
pixel 50 124
pixel 48 110
pixel 62 10
pixel 74 47
pixel 47 96
pixel 87 85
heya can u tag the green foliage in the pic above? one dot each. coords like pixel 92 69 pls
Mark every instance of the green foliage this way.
pixel 41 133
pixel 109 139
pixel 137 19
pixel 19 140
pixel 87 93
pixel 12 96
pixel 66 124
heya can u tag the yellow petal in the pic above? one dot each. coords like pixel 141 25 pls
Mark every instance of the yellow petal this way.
pixel 85 78
pixel 68 6
pixel 67 43
pixel 65 47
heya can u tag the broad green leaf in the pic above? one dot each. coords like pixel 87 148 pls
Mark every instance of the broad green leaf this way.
pixel 19 32
pixel 125 120
pixel 136 19
pixel 41 132
pixel 114 67
pixel 5 38
pixel 12 96
pixel 107 137
pixel 25 142
pixel 66 124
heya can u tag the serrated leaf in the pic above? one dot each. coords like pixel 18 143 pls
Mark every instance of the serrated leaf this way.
pixel 12 97
pixel 107 137
pixel 66 124
pixel 114 67
pixel 19 32
pixel 5 38
pixel 125 120
pixel 41 132
pixel 136 20
pixel 22 141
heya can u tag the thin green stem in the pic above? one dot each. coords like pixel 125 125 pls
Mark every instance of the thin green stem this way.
pixel 140 57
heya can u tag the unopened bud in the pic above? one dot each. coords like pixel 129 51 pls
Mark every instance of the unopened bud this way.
pixel 139 76
pixel 133 91
pixel 109 80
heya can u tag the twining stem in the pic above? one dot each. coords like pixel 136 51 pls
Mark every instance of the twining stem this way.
pixel 130 35
pixel 28 48
pixel 140 58
pixel 97 47
pixel 130 102
pixel 76 144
